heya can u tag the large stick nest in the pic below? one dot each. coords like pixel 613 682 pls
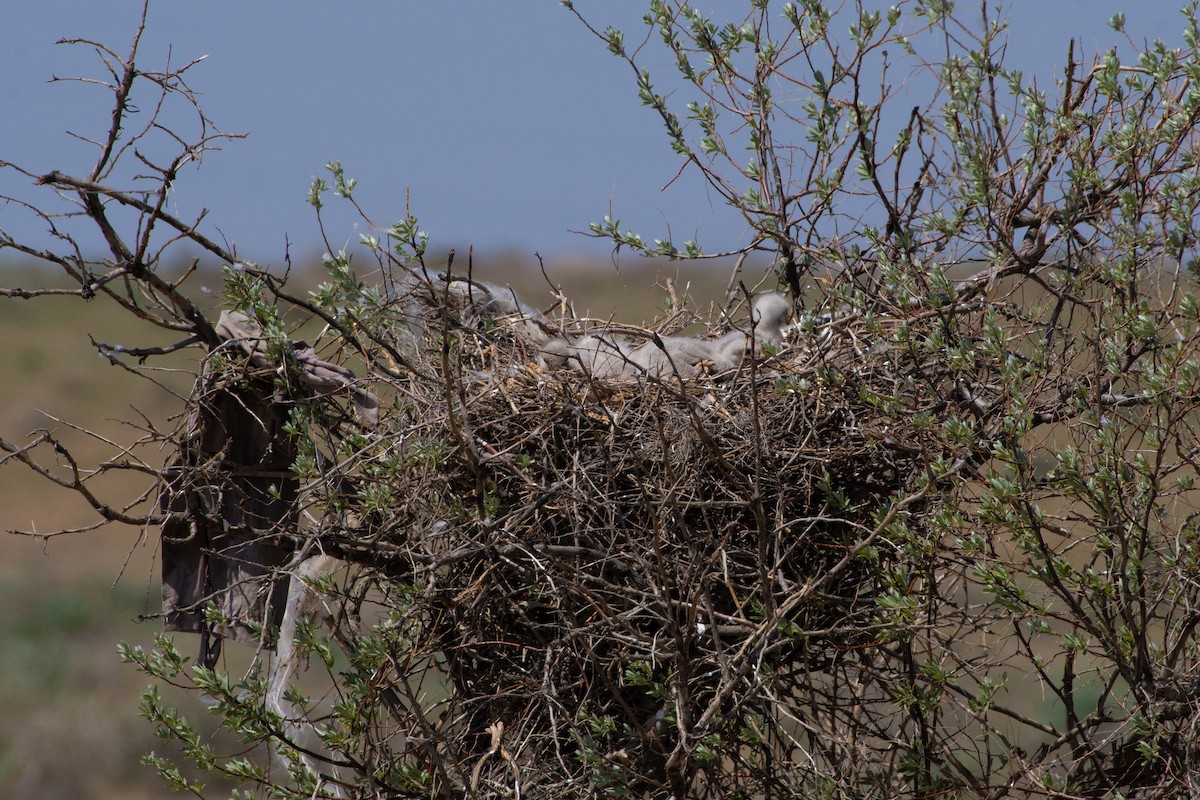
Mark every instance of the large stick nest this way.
pixel 622 573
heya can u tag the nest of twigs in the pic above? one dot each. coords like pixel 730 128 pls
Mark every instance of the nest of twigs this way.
pixel 640 584
pixel 612 569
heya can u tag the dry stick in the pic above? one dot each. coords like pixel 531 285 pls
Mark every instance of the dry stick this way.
pixel 465 440
pixel 121 93
pixel 90 193
pixel 756 499
pixel 664 582
pixel 76 483
pixel 451 773
pixel 89 187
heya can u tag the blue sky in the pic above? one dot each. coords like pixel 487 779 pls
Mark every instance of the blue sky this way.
pixel 508 124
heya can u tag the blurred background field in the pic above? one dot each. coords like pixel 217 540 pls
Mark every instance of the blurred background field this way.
pixel 71 728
